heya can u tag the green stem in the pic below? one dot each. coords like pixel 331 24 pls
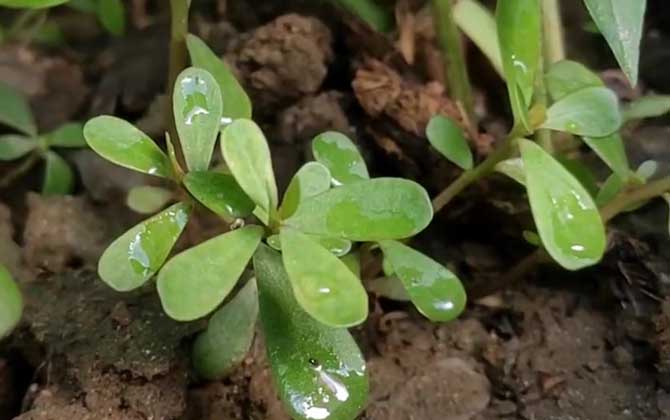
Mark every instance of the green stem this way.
pixel 554 45
pixel 178 32
pixel 455 68
pixel 24 21
pixel 629 197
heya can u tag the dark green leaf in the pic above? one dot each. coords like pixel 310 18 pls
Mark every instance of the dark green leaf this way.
pixel 448 139
pixel 322 284
pixel 319 371
pixel 11 303
pixel 58 176
pixel 147 199
pixel 15 111
pixel 311 179
pixel 591 112
pixel 371 210
pixel 566 77
pixel 14 146
pixel 138 254
pixel 220 193
pixel 611 150
pixel 31 4
pixel 341 156
pixel 86 6
pixel 649 106
pixel 373 13
pixel 195 282
pixel 112 15
pixel 70 135
pixel 479 24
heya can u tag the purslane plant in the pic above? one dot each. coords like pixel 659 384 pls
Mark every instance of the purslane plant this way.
pixel 307 295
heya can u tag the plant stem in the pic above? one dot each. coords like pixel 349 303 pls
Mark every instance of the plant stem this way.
pixel 20 170
pixel 554 45
pixel 632 196
pixel 455 68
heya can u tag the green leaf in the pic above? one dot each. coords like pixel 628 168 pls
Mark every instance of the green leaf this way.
pixel 195 282
pixel 311 179
pixel 590 112
pixel 336 246
pixel 566 217
pixel 248 156
pixel 520 36
pixel 322 284
pixel 377 16
pixel 371 210
pixel 198 107
pixel 620 22
pixel 112 15
pixel 236 103
pixel 31 4
pixel 220 193
pixel 649 106
pixel 610 188
pixel 646 170
pixel 14 146
pixel 479 24
pixel 341 156
pixel 58 176
pixel 69 135
pixel 612 151
pixel 11 302
pixel 582 172
pixel 86 6
pixel 319 371
pixel 120 142
pixel 513 168
pixel 226 341
pixel 435 291
pixel 134 257
pixel 389 287
pixel 566 77
pixel 147 199
pixel 448 139
pixel 15 111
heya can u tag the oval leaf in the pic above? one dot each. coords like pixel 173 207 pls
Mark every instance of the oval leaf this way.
pixel 590 112
pixel 319 371
pixel 69 135
pixel 566 217
pixel 311 179
pixel 220 193
pixel 112 15
pixel 236 103
pixel 479 24
pixel 226 341
pixel 138 254
pixel 336 246
pixel 322 284
pixel 31 4
pixel 649 106
pixel 147 199
pixel 435 291
pixel 195 282
pixel 389 287
pixel 341 156
pixel 58 176
pixel 513 168
pixel 448 139
pixel 612 151
pixel 566 77
pixel 371 210
pixel 15 111
pixel 14 146
pixel 11 302
pixel 120 142
pixel 247 154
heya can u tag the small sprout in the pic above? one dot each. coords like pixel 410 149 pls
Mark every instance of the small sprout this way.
pixel 591 112
pixel 147 199
pixel 220 193
pixel 532 238
pixel 11 302
pixel 341 156
pixel 448 139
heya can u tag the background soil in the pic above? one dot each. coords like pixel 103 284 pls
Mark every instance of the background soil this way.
pixel 555 346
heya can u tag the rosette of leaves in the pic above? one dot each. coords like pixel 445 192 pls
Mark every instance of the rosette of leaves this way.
pixel 27 146
pixel 304 291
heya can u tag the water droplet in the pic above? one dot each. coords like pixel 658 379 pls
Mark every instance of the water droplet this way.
pixel 324 290
pixel 444 305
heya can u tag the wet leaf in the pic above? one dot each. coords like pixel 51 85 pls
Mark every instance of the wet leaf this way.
pixel 226 341
pixel 11 302
pixel 448 139
pixel 120 142
pixel 69 135
pixel 371 210
pixel 590 112
pixel 649 106
pixel 435 291
pixel 341 156
pixel 193 283
pixel 612 151
pixel 248 156
pixel 31 4
pixel 112 15
pixel 319 371
pixel 389 287
pixel 479 24
pixel 134 257
pixel 582 172
pixel 311 179
pixel 58 176
pixel 15 111
pixel 14 146
pixel 566 217
pixel 322 284
pixel 336 246
pixel 236 103
pixel 513 168
pixel 520 35
pixel 620 22
pixel 198 107
pixel 566 77
pixel 220 193
pixel 147 199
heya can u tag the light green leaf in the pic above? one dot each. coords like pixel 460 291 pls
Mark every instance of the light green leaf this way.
pixel 147 199
pixel 322 284
pixel 620 22
pixel 236 103
pixel 11 302
pixel 112 15
pixel 566 77
pixel 590 112
pixel 198 107
pixel 14 146
pixel 566 217
pixel 374 14
pixel 69 135
pixel 513 168
pixel 58 176
pixel 479 24
pixel 371 210
pixel 311 179
pixel 448 139
pixel 248 156
pixel 31 4
pixel 610 188
pixel 649 106
pixel 612 151
pixel 15 111
pixel 319 371
pixel 220 193
pixel 134 257
pixel 646 170
pixel 341 156
pixel 520 36
pixel 120 142
pixel 195 282
pixel 581 172
pixel 389 287
pixel 435 291
pixel 226 341
pixel 336 246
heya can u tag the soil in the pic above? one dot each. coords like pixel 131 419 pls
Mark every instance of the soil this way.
pixel 554 345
